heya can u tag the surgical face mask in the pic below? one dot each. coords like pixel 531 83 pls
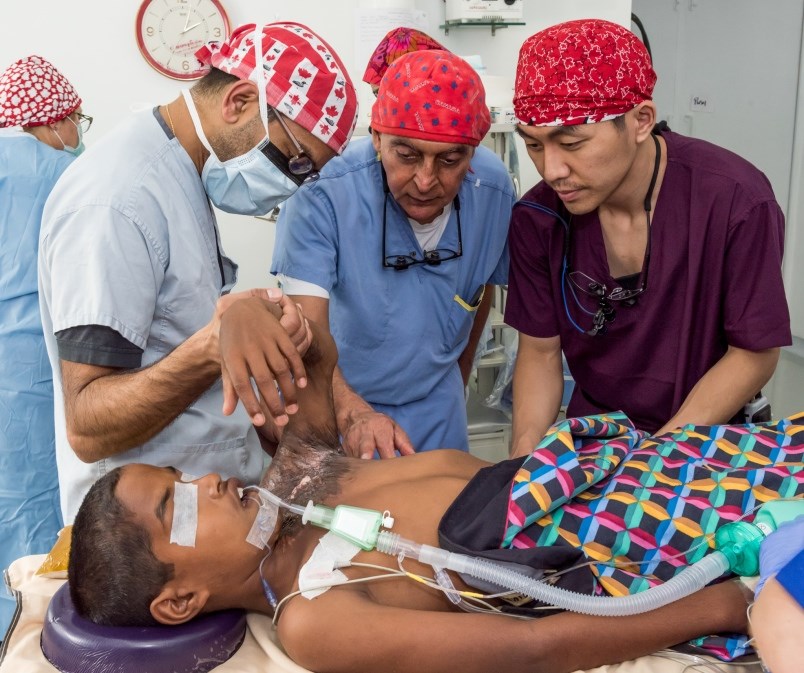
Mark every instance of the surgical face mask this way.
pixel 250 184
pixel 79 148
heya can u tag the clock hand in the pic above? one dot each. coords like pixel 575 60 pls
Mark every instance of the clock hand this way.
pixel 187 18
pixel 195 25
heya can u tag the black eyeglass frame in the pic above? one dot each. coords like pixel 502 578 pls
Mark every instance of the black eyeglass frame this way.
pixel 299 164
pixel 84 119
pixel 430 257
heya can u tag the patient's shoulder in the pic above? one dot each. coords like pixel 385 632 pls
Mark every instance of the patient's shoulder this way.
pixel 447 462
pixel 316 633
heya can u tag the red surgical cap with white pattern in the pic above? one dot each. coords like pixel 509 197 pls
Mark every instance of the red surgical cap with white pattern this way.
pixel 34 93
pixel 581 72
pixel 432 95
pixel 304 78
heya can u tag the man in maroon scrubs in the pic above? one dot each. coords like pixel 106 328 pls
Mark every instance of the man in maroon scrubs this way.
pixel 652 260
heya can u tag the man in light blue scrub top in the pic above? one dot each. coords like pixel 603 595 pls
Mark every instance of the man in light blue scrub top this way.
pixel 395 248
pixel 132 273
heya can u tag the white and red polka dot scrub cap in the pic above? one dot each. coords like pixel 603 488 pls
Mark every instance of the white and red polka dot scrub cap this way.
pixel 34 93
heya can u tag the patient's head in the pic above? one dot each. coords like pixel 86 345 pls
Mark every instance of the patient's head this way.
pixel 123 568
pixel 113 573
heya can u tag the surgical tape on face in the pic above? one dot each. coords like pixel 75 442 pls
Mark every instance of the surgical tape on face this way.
pixel 321 570
pixel 187 477
pixel 185 514
pixel 263 525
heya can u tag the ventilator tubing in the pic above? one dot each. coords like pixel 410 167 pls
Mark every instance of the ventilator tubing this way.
pixel 737 543
pixel 688 581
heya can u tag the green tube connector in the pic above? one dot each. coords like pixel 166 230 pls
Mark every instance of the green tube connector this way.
pixel 740 541
pixel 359 526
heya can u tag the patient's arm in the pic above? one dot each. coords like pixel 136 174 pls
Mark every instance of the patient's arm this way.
pixel 345 630
pixel 249 349
pixel 362 428
pixel 309 460
pixel 316 405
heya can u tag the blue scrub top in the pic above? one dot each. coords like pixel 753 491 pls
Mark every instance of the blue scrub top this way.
pixel 30 517
pixel 399 333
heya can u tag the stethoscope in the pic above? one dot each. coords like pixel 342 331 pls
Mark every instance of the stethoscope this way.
pixel 604 314
pixel 565 224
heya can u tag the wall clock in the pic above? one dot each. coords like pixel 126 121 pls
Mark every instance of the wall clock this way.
pixel 169 32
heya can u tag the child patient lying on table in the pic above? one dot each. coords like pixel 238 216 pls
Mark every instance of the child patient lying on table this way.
pixel 151 545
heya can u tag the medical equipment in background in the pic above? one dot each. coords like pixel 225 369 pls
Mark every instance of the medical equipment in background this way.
pixel 737 550
pixel 468 11
pixel 757 410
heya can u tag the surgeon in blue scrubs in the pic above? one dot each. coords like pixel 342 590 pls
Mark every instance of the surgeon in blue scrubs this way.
pixel 41 129
pixel 396 248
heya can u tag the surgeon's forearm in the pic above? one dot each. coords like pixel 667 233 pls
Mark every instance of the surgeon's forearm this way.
pixel 538 385
pixel 725 388
pixel 116 411
pixel 467 358
pixel 348 403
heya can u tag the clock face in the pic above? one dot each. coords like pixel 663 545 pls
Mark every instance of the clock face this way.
pixel 169 32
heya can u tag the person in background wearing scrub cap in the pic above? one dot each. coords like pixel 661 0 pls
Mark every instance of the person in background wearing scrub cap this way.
pixel 133 276
pixel 41 131
pixel 394 249
pixel 651 259
pixel 396 43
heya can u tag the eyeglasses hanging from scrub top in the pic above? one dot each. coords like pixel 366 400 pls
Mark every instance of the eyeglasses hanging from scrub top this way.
pixel 433 257
pixel 577 281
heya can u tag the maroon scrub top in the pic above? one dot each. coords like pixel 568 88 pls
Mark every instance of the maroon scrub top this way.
pixel 714 280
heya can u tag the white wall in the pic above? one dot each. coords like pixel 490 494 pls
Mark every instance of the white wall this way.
pixel 93 43
pixel 794 241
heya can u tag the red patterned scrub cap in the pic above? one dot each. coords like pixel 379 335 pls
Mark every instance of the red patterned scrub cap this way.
pixel 581 72
pixel 396 43
pixel 432 95
pixel 34 93
pixel 304 78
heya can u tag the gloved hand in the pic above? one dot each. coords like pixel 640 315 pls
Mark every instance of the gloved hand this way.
pixel 778 549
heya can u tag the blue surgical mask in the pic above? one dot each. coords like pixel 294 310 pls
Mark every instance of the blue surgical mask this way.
pixel 79 148
pixel 250 184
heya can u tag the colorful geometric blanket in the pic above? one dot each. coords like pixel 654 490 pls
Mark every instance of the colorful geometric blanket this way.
pixel 637 509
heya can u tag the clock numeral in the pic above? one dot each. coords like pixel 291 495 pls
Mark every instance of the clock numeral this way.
pixel 216 32
pixel 185 65
pixel 149 31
